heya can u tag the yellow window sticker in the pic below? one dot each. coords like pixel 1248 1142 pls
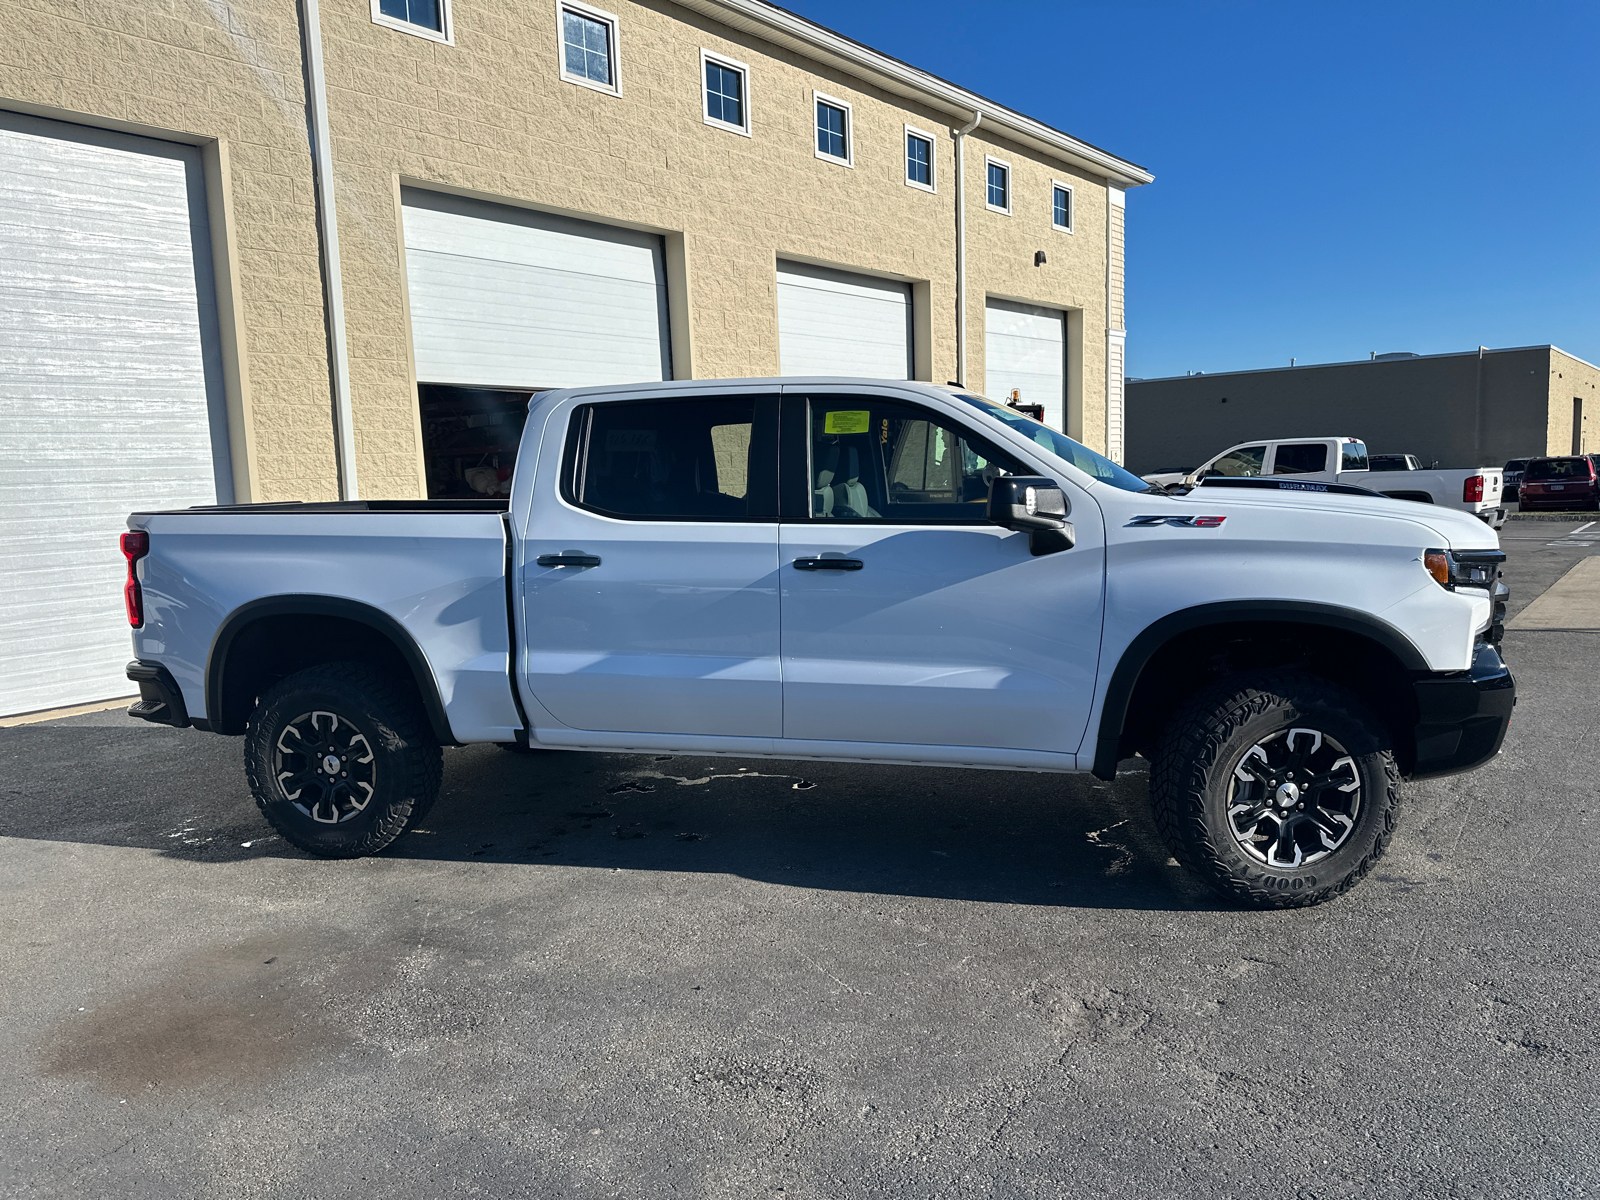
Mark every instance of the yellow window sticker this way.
pixel 846 422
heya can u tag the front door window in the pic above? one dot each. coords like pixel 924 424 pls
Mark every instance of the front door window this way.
pixel 1242 463
pixel 881 460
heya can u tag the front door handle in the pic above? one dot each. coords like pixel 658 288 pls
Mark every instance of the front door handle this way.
pixel 568 560
pixel 828 564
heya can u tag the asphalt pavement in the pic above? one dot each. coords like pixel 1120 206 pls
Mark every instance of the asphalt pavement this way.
pixel 624 976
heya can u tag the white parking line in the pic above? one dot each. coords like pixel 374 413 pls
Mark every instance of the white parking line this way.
pixel 1572 539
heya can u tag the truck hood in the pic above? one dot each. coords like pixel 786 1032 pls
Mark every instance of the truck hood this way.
pixel 1454 530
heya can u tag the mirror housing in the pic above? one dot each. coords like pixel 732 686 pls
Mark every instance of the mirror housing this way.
pixel 1033 505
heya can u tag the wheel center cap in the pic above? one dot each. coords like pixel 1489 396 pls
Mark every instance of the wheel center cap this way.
pixel 331 764
pixel 1288 795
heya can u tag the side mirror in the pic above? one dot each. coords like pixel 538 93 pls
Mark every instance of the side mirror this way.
pixel 1034 505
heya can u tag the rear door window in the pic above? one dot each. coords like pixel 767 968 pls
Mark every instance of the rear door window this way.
pixel 710 459
pixel 1300 458
pixel 1245 461
pixel 1353 456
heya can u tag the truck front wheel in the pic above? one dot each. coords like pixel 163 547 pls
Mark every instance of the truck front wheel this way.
pixel 341 760
pixel 1277 788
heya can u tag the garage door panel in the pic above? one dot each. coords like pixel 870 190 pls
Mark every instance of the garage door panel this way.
pixel 504 297
pixel 836 323
pixel 110 390
pixel 1025 350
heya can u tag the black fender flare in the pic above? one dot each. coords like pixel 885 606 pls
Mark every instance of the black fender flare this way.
pixel 311 605
pixel 1119 691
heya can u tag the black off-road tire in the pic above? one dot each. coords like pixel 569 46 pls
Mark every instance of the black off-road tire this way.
pixel 374 712
pixel 1192 780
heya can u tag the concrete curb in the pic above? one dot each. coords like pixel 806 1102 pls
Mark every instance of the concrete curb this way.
pixel 55 714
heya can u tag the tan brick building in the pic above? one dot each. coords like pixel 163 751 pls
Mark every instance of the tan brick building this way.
pixel 483 108
pixel 524 195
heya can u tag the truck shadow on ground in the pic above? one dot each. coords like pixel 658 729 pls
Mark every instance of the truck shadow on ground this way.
pixel 989 836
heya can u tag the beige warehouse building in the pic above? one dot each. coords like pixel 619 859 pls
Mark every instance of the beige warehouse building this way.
pixel 1477 408
pixel 513 196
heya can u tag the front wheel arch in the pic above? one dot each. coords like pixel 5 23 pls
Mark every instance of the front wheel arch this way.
pixel 1185 647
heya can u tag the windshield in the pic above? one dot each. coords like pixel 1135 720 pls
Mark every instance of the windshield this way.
pixel 1059 444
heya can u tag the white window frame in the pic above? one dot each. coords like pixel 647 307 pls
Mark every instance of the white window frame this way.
pixel 1072 206
pixel 446 37
pixel 610 20
pixel 933 160
pixel 849 159
pixel 990 160
pixel 731 64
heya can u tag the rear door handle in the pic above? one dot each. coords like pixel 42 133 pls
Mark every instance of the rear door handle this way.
pixel 828 564
pixel 568 560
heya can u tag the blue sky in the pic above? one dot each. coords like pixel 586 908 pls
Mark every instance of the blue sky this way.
pixel 1331 179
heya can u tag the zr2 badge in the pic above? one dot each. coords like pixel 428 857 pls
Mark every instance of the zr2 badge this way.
pixel 1180 522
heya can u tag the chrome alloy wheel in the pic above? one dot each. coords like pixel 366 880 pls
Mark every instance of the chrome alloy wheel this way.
pixel 1294 799
pixel 324 767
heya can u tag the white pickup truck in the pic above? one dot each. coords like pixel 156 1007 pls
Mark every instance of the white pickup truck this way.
pixel 1475 490
pixel 846 570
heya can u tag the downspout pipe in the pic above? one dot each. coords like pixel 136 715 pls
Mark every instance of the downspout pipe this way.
pixel 328 233
pixel 961 248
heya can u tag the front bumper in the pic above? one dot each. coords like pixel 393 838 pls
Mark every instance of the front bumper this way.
pixel 1462 715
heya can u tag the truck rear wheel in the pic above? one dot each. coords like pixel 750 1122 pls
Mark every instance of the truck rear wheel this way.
pixel 341 759
pixel 1277 788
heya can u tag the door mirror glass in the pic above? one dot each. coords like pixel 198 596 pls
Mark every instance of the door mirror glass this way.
pixel 1034 505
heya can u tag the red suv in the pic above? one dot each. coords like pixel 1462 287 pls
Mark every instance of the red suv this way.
pixel 1569 482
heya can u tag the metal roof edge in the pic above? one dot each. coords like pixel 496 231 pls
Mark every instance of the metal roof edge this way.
pixel 1353 362
pixel 789 29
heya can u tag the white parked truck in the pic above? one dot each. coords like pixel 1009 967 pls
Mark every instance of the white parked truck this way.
pixel 1474 490
pixel 848 570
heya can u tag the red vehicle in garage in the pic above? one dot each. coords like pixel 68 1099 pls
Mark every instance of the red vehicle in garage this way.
pixel 1559 483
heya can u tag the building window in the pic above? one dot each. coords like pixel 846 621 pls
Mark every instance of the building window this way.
pixel 833 129
pixel 1061 206
pixel 425 18
pixel 727 103
pixel 589 47
pixel 999 193
pixel 919 159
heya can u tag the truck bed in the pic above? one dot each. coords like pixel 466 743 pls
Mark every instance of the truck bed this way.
pixel 430 575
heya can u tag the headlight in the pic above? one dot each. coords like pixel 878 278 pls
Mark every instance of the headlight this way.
pixel 1464 568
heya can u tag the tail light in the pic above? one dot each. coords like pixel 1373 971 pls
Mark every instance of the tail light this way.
pixel 135 545
pixel 1472 490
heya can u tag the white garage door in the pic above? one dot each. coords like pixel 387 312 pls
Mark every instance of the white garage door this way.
pixel 836 323
pixel 1025 348
pixel 507 297
pixel 110 392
